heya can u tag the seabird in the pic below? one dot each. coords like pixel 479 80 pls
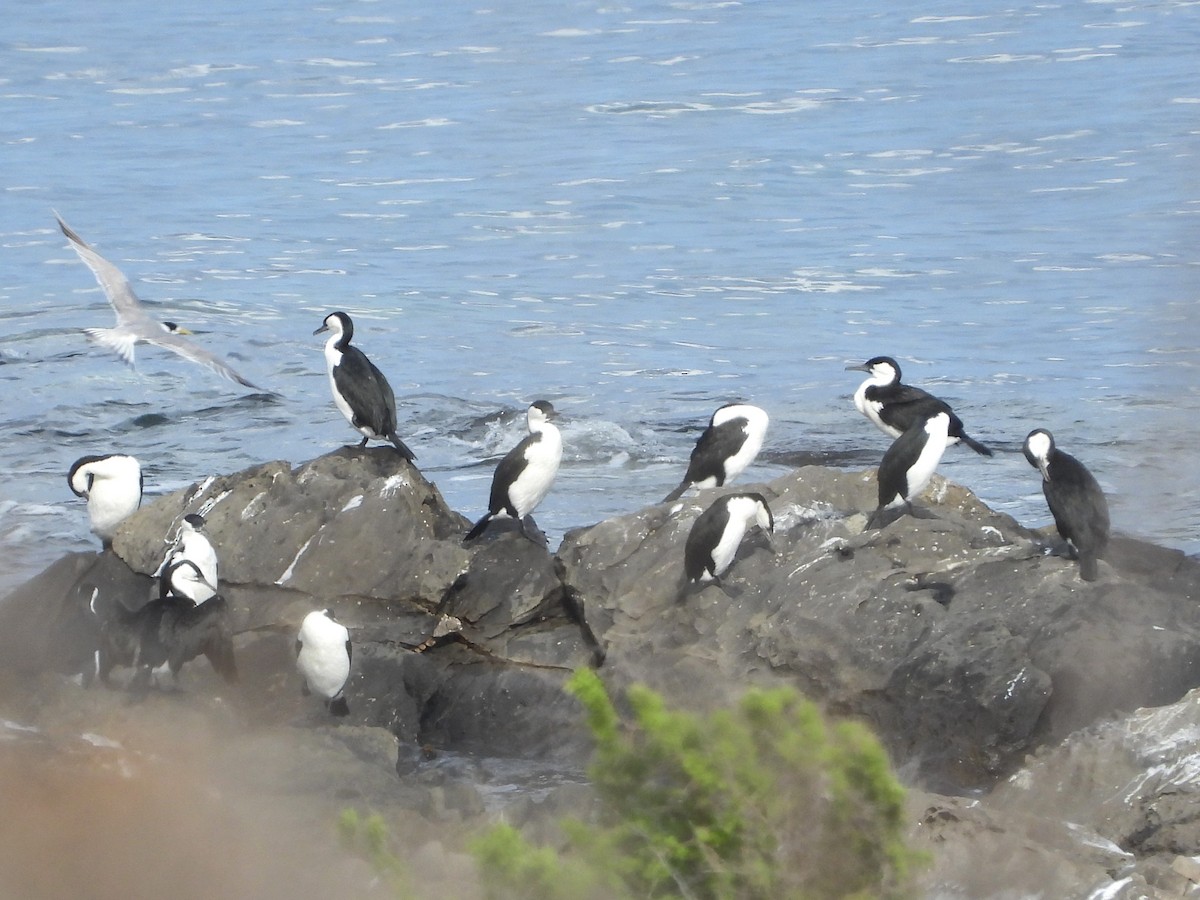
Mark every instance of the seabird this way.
pixel 112 486
pixel 169 631
pixel 134 324
pixel 193 545
pixel 1075 499
pixel 323 656
pixel 907 467
pixel 524 476
pixel 360 390
pixel 894 407
pixel 726 447
pixel 717 533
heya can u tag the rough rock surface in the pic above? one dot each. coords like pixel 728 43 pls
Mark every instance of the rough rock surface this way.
pixel 1110 812
pixel 955 635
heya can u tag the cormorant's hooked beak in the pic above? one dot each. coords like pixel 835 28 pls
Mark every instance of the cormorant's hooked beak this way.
pixel 1044 467
pixel 322 328
pixel 861 367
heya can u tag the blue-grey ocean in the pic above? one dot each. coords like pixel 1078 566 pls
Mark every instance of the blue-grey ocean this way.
pixel 637 210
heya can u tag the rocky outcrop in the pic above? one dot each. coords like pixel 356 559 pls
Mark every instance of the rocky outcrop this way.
pixel 956 636
pixel 953 633
pixel 1110 812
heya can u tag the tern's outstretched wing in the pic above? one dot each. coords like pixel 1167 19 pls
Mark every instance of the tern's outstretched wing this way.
pixel 125 303
pixel 185 348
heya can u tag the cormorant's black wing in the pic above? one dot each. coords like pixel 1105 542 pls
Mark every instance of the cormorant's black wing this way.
pixel 367 391
pixel 1077 503
pixel 904 404
pixel 716 445
pixel 893 469
pixel 705 535
pixel 507 471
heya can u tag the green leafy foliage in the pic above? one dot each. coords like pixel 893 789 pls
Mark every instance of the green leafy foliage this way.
pixel 762 802
pixel 370 838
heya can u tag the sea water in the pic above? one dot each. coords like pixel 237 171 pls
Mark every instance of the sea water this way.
pixel 638 211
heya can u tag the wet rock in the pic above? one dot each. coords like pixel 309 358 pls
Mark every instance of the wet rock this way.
pixel 49 623
pixel 1112 808
pixel 353 522
pixel 954 634
pixel 981 852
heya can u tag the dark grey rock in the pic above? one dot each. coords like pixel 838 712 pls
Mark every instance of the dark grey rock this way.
pixel 954 634
pixel 354 522
pixel 48 624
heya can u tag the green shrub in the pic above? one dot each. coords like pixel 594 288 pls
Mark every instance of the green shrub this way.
pixel 371 839
pixel 762 802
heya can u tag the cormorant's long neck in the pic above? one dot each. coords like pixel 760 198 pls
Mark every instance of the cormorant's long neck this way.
pixel 544 427
pixel 340 342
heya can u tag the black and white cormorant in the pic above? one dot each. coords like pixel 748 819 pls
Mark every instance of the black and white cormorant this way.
pixel 169 631
pixel 524 476
pixel 717 533
pixel 894 407
pixel 907 467
pixel 112 486
pixel 134 324
pixel 725 448
pixel 360 390
pixel 1075 499
pixel 193 545
pixel 323 656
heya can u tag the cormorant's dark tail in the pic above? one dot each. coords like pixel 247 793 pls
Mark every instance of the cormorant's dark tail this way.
pixel 402 447
pixel 479 528
pixel 338 706
pixel 1089 569
pixel 220 655
pixel 677 493
pixel 975 445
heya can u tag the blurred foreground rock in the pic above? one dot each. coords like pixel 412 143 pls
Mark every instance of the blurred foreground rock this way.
pixel 956 637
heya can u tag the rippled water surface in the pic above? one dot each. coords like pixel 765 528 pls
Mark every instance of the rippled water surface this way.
pixel 638 211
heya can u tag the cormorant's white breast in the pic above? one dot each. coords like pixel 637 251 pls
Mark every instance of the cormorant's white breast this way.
pixel 360 390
